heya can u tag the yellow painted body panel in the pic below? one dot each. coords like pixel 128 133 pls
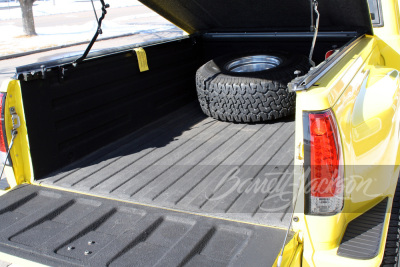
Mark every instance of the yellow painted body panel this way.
pixel 297 257
pixel 290 252
pixel 363 92
pixel 21 171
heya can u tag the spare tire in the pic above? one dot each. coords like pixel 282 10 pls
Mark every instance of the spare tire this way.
pixel 249 87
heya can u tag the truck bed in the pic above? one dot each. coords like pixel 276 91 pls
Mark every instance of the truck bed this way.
pixel 188 162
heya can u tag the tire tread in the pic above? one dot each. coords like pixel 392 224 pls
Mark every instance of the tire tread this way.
pixel 247 99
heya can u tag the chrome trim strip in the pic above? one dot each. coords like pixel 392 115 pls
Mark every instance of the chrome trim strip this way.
pixel 308 80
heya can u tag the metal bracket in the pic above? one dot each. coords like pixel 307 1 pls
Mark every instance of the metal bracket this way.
pixel 15 118
pixel 301 81
pixel 315 7
pixel 62 73
pixel 43 71
pixel 36 74
pixel 315 73
pixel 16 124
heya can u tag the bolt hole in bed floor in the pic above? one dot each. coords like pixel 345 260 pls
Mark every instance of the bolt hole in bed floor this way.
pixel 187 161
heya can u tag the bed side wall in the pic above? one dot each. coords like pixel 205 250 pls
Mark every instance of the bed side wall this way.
pixel 104 99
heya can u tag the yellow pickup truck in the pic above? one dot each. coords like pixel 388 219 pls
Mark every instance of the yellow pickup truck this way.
pixel 268 136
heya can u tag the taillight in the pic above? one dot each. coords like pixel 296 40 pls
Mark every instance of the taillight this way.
pixel 323 163
pixel 329 53
pixel 3 137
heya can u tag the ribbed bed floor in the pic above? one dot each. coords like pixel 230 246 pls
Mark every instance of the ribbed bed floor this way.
pixel 187 161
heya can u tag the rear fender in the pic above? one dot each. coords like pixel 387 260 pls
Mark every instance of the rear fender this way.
pixel 364 97
pixel 368 119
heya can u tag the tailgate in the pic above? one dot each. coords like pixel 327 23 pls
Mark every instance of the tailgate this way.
pixel 57 227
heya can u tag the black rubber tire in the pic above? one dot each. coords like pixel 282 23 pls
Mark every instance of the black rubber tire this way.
pixel 392 246
pixel 248 97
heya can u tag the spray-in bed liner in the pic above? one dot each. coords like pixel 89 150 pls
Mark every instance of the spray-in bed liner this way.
pixel 187 161
pixel 60 228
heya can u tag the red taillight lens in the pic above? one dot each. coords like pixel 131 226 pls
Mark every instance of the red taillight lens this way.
pixel 323 157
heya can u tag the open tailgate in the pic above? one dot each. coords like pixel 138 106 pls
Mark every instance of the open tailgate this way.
pixel 63 228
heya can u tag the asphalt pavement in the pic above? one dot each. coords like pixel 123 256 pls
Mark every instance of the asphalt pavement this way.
pixel 79 18
pixel 63 30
